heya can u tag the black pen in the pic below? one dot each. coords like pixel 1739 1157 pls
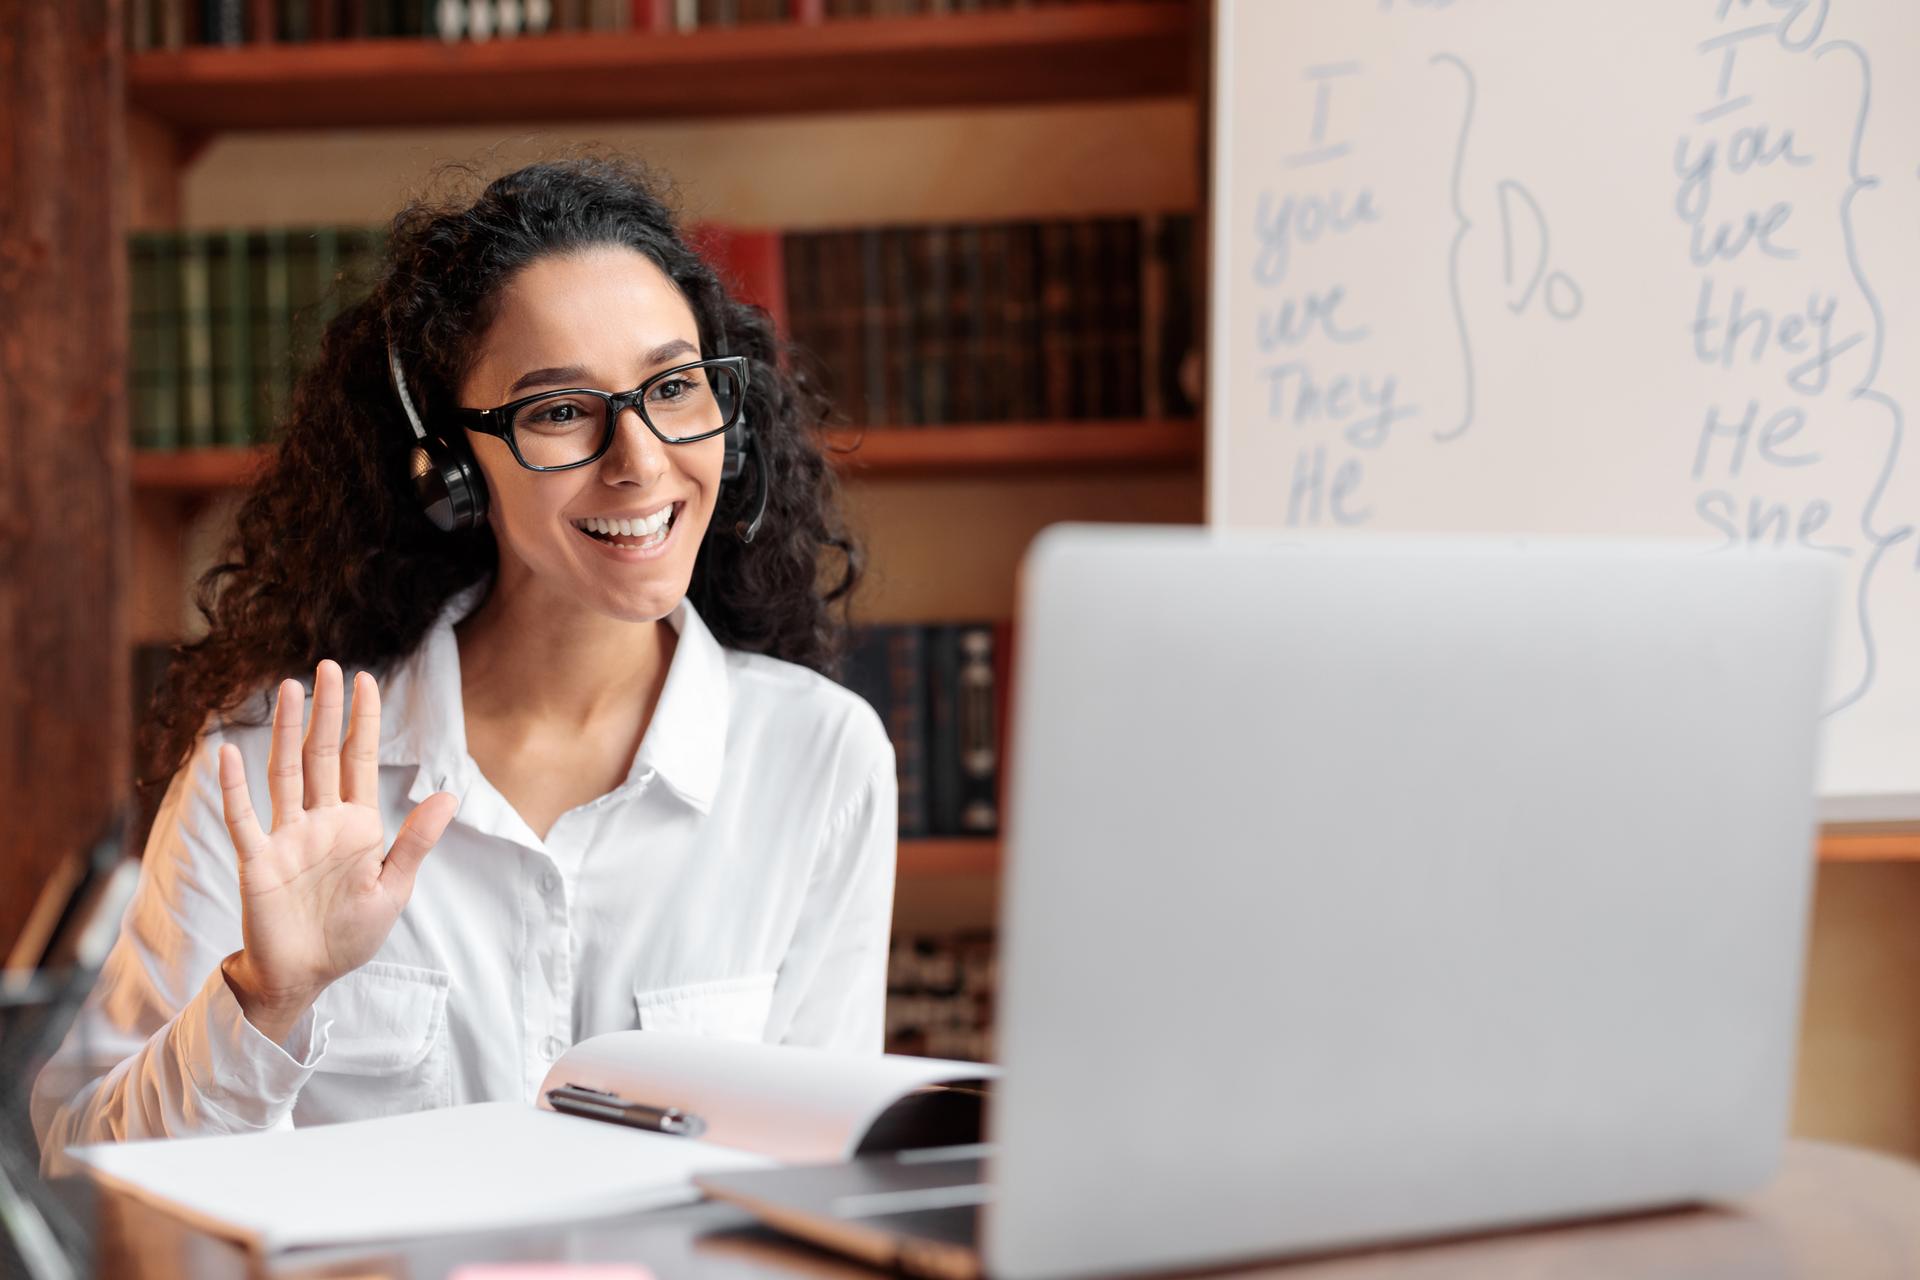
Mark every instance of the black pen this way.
pixel 598 1104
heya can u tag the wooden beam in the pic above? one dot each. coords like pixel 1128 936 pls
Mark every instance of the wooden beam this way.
pixel 65 732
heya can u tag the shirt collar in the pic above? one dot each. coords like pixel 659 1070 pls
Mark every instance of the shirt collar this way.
pixel 424 722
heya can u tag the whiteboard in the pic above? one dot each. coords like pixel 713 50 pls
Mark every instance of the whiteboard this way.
pixel 1533 266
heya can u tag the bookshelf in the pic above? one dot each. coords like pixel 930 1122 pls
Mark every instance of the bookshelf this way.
pixel 1064 53
pixel 184 104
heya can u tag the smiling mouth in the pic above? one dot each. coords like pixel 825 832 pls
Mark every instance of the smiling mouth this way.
pixel 630 533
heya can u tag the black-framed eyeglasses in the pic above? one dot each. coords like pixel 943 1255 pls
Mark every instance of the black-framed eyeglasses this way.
pixel 559 430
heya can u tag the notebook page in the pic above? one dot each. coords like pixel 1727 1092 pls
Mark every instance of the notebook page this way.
pixel 482 1166
pixel 797 1105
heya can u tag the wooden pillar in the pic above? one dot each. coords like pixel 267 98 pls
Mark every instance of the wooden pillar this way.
pixel 65 732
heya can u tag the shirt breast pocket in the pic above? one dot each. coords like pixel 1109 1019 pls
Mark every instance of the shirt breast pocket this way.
pixel 724 1008
pixel 387 1051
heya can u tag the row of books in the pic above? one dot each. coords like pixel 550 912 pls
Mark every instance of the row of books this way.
pixel 911 325
pixel 221 321
pixel 1060 320
pixel 942 690
pixel 940 990
pixel 173 24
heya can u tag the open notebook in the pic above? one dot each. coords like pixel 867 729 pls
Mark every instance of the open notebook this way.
pixel 511 1164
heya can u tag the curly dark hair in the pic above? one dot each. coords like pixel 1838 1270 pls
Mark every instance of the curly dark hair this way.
pixel 332 555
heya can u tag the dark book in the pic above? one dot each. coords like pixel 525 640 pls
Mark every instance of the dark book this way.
pixel 273 338
pixel 992 394
pixel 143 338
pixel 1124 317
pixel 196 327
pixel 886 666
pixel 1177 331
pixel 931 318
pixel 296 21
pixel 965 313
pixel 164 431
pixel 963 771
pixel 1057 338
pixel 1021 321
pixel 842 316
pixel 897 320
pixel 232 362
pixel 865 295
pixel 1091 343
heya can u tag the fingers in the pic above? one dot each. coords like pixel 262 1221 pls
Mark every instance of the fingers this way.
pixel 242 825
pixel 283 757
pixel 418 835
pixel 321 758
pixel 360 771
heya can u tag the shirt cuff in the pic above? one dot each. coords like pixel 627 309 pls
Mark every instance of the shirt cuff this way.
pixel 236 1067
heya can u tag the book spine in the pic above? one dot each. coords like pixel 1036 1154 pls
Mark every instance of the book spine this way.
pixel 979 734
pixel 261 20
pixel 963 315
pixel 164 430
pixel 1021 316
pixel 907 725
pixel 1153 305
pixel 1124 324
pixel 234 420
pixel 1086 322
pixel 871 323
pixel 1178 332
pixel 943 730
pixel 897 313
pixel 196 319
pixel 991 342
pixel 142 349
pixel 1056 320
pixel 934 319
pixel 841 308
pixel 277 367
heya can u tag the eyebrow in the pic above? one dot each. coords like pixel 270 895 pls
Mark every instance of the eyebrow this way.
pixel 575 375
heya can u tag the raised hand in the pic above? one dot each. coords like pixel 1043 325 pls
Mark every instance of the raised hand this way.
pixel 320 892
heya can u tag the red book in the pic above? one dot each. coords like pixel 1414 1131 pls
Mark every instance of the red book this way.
pixel 652 15
pixel 748 261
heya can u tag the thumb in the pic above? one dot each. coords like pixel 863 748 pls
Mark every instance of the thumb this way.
pixel 418 834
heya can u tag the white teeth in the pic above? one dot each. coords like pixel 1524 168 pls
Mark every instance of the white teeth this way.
pixel 647 528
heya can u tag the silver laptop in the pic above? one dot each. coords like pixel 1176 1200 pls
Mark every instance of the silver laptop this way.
pixel 1369 890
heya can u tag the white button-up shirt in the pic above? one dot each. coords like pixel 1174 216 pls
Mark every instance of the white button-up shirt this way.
pixel 738 883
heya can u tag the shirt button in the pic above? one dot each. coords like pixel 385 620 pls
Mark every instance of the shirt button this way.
pixel 549 882
pixel 551 1048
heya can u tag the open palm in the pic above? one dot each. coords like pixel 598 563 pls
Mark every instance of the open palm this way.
pixel 320 893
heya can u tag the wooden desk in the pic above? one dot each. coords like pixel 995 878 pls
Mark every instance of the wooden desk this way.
pixel 1832 1212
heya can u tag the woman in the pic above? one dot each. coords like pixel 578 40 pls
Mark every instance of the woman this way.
pixel 620 791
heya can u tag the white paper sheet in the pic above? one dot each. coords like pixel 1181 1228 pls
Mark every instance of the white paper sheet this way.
pixel 486 1165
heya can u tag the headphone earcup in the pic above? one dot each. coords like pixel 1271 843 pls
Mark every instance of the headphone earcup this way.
pixel 451 489
pixel 736 456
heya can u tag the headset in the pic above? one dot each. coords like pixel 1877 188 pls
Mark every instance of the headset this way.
pixel 453 492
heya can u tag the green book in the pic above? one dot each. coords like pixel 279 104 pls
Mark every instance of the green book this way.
pixel 326 272
pixel 234 364
pixel 305 289
pixel 163 427
pixel 274 336
pixel 196 326
pixel 142 350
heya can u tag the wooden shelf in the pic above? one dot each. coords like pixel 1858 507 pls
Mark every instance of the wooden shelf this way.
pixel 955 856
pixel 1870 844
pixel 1014 447
pixel 1004 448
pixel 1130 49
